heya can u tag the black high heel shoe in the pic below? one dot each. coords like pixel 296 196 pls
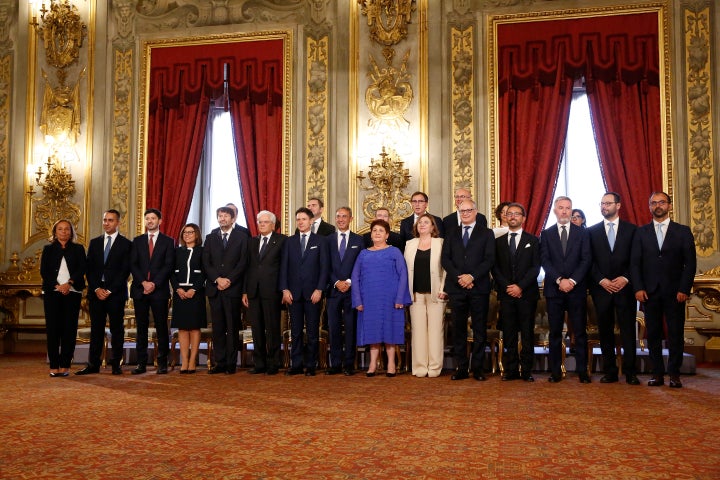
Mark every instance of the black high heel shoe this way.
pixel 369 374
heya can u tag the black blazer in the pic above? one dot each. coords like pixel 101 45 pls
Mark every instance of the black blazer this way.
pixel 50 261
pixel 407 224
pixel 665 271
pixel 229 262
pixel 522 271
pixel 303 274
pixel 450 222
pixel 262 274
pixel 116 270
pixel 342 269
pixel 192 274
pixel 477 259
pixel 574 264
pixel 324 229
pixel 160 266
pixel 610 264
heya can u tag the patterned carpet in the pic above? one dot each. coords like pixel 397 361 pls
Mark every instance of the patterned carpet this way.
pixel 247 426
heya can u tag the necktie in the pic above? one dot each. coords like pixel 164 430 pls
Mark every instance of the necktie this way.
pixel 108 245
pixel 563 238
pixel 302 243
pixel 659 235
pixel 343 246
pixel 224 240
pixel 263 247
pixel 611 235
pixel 466 236
pixel 314 227
pixel 151 244
pixel 513 245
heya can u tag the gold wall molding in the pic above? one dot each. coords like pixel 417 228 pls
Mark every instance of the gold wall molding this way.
pixel 387 21
pixel 699 77
pixel 317 114
pixel 389 94
pixel 462 82
pixel 7 60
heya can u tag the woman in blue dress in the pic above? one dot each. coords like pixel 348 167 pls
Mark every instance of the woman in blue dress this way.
pixel 380 293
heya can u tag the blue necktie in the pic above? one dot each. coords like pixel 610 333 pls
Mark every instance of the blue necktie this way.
pixel 466 236
pixel 611 235
pixel 108 245
pixel 343 246
pixel 224 240
pixel 302 244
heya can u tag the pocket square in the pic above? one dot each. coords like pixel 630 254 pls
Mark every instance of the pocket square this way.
pixel 354 246
pixel 527 245
pixel 314 246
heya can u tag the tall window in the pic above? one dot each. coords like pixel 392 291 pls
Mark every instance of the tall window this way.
pixel 580 177
pixel 218 180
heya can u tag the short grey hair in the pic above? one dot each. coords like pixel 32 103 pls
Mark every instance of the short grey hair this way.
pixel 262 213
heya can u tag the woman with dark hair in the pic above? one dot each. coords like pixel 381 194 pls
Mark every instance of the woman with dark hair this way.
pixel 188 283
pixel 578 218
pixel 62 268
pixel 426 279
pixel 501 217
pixel 380 294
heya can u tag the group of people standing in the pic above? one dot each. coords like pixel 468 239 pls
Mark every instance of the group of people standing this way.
pixel 367 283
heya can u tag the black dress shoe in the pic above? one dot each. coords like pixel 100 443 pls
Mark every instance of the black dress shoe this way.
pixel 555 378
pixel 460 375
pixel 675 381
pixel 216 370
pixel 162 371
pixel 510 376
pixel 230 371
pixel 656 381
pixel 584 377
pixel 271 371
pixel 59 374
pixel 293 371
pixel 310 372
pixel 609 379
pixel 349 372
pixel 88 370
pixel 139 370
pixel 116 370
pixel 332 371
pixel 478 375
pixel 369 374
pixel 257 371
pixel 632 379
pixel 528 378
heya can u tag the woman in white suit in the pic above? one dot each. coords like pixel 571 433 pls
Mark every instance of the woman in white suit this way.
pixel 426 279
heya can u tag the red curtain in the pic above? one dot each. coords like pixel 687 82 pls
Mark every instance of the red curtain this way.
pixel 538 61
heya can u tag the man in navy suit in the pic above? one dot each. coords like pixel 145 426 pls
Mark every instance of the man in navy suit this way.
pixel 419 202
pixel 225 259
pixel 344 247
pixel 382 213
pixel 565 256
pixel 468 255
pixel 152 260
pixel 517 264
pixel 663 269
pixel 261 295
pixel 108 269
pixel 304 270
pixel 611 290
pixel 451 222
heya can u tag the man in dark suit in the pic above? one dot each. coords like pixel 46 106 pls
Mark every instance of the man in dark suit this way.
pixel 318 225
pixel 108 269
pixel 237 225
pixel 261 295
pixel 419 202
pixel 663 269
pixel 152 260
pixel 517 265
pixel 613 295
pixel 452 221
pixel 565 256
pixel 303 277
pixel 344 246
pixel 394 239
pixel 468 255
pixel 225 259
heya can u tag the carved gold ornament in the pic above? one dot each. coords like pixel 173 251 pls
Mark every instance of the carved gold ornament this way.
pixel 62 32
pixel 388 19
pixel 387 179
pixel 389 94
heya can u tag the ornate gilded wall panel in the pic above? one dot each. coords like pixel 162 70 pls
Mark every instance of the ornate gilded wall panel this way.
pixel 316 112
pixel 699 75
pixel 462 80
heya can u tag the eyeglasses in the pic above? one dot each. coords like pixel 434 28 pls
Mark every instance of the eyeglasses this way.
pixel 189 232
pixel 462 196
pixel 576 217
pixel 607 204
pixel 514 214
pixel 659 203
pixel 467 211
pixel 417 201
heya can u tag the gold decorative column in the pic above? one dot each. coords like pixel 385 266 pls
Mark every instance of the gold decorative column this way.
pixel 316 111
pixel 463 107
pixel 7 58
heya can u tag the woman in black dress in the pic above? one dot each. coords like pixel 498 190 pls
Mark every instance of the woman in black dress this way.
pixel 188 283
pixel 62 267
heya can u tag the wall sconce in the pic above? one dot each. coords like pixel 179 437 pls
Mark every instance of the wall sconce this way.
pixel 387 179
pixel 58 185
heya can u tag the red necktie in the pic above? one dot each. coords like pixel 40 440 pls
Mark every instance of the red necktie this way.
pixel 151 247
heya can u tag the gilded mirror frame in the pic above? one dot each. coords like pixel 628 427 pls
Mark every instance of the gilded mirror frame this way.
pixel 493 21
pixel 147 48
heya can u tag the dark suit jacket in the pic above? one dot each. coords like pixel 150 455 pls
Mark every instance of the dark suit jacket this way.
pixel 324 229
pixel 610 264
pixel 116 270
pixel 407 224
pixel 666 271
pixel 394 239
pixel 574 264
pixel 160 266
pixel 194 275
pixel 477 259
pixel 261 278
pixel 526 267
pixel 52 256
pixel 450 222
pixel 224 262
pixel 237 226
pixel 303 274
pixel 342 269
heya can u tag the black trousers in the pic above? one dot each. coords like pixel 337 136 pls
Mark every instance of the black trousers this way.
pixel 518 315
pixel 657 306
pixel 342 322
pixel 475 306
pixel 620 307
pixel 61 323
pixel 159 309
pixel 304 314
pixel 112 309
pixel 226 313
pixel 264 316
pixel 576 308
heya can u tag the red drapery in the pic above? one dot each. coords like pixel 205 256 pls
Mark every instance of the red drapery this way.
pixel 617 54
pixel 184 80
